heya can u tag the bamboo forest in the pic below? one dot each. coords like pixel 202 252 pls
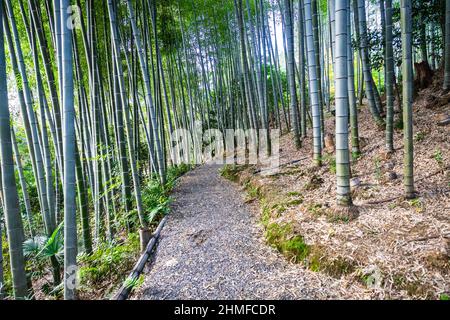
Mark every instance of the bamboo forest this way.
pixel 224 149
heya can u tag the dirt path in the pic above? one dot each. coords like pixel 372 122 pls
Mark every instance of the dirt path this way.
pixel 213 248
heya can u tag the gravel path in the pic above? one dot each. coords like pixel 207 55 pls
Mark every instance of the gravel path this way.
pixel 213 248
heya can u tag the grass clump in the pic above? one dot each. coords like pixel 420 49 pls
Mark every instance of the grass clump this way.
pixel 231 172
pixel 281 237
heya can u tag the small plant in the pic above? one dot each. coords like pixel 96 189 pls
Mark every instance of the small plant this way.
pixel 420 136
pixel 416 204
pixel 331 161
pixel 438 157
pixel 134 283
pixel 279 207
pixel 266 215
pixel 253 192
pixel 295 202
pixel 356 156
pixel 444 297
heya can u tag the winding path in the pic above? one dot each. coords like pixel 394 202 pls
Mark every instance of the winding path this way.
pixel 213 248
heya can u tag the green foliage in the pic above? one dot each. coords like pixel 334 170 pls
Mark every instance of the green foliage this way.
pixel 110 261
pixel 332 164
pixel 155 197
pixel 134 283
pixel 420 136
pixel 292 246
pixel 7 277
pixel 253 191
pixel 444 297
pixel 438 157
pixel 174 172
pixel 416 204
pixel 41 247
pixel 319 261
pixel 356 156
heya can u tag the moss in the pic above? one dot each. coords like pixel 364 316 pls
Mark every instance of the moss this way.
pixel 281 237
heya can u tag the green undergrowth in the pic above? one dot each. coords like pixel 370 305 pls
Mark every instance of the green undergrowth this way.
pixel 111 262
pixel 108 264
pixel 6 286
pixel 106 268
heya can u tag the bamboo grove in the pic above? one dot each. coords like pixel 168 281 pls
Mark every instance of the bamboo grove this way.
pixel 91 92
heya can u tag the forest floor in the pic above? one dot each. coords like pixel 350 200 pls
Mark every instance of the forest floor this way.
pixel 212 247
pixel 395 248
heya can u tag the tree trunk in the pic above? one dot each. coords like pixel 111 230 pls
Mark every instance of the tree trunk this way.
pixel 447 46
pixel 291 71
pixel 341 83
pixel 389 66
pixel 363 44
pixel 70 221
pixel 407 71
pixel 11 198
pixel 313 85
pixel 351 88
